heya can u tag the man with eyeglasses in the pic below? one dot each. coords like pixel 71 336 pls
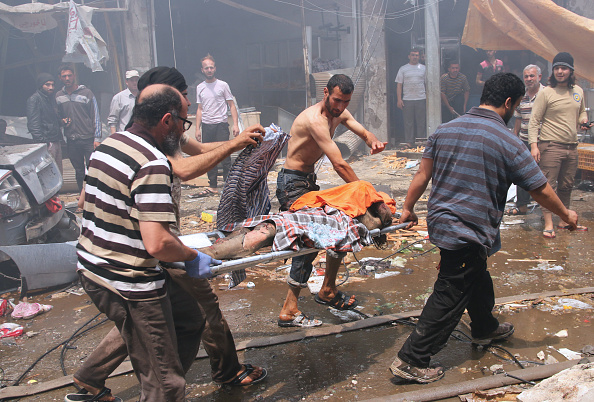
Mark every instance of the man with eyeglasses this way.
pixel 217 339
pixel 125 234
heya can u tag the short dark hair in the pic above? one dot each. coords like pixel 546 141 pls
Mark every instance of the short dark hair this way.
pixel 570 81
pixel 500 87
pixel 416 50
pixel 450 62
pixel 65 67
pixel 343 82
pixel 154 106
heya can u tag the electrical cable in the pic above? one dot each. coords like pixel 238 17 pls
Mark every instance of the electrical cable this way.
pixel 48 352
pixel 76 334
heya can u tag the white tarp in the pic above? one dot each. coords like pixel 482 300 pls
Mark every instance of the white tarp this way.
pixel 83 42
pixel 31 18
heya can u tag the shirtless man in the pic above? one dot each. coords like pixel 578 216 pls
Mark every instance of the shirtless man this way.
pixel 311 137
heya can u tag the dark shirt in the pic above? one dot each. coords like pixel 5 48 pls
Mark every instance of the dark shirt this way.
pixel 42 118
pixel 81 108
pixel 475 160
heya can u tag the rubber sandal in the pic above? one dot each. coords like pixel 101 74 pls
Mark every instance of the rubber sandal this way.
pixel 513 211
pixel 578 229
pixel 84 396
pixel 249 369
pixel 300 320
pixel 339 302
pixel 551 234
pixel 207 192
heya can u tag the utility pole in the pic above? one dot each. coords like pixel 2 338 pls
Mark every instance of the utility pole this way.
pixel 432 53
pixel 305 54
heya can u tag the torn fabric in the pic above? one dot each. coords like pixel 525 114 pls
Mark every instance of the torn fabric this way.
pixel 540 26
pixel 83 42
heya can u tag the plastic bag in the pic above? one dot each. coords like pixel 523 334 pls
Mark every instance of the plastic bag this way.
pixel 10 329
pixel 27 310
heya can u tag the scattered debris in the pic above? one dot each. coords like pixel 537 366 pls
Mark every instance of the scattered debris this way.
pixel 10 329
pixel 545 266
pixel 26 310
pixel 573 384
pixel 562 334
pixel 568 303
pixel 381 275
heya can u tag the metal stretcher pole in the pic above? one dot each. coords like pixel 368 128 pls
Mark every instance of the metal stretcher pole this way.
pixel 234 265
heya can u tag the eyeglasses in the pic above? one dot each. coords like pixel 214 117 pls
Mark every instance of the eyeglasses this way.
pixel 187 123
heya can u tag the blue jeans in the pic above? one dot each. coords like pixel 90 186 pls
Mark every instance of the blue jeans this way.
pixel 290 185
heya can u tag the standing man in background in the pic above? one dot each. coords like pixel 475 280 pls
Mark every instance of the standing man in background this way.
pixel 122 103
pixel 552 133
pixel 78 109
pixel 213 97
pixel 410 91
pixel 488 67
pixel 42 117
pixel 455 91
pixel 532 76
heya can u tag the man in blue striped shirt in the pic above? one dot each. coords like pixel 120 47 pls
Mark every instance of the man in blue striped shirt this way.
pixel 471 161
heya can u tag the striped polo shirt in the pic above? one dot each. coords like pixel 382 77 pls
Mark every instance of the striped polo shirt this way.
pixel 128 181
pixel 524 111
pixel 452 87
pixel 475 160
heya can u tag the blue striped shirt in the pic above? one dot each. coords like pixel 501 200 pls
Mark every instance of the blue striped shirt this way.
pixel 475 160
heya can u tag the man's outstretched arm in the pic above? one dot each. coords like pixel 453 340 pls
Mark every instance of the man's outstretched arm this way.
pixel 194 166
pixel 367 136
pixel 417 187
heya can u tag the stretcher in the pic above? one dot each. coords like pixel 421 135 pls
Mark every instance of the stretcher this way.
pixel 203 240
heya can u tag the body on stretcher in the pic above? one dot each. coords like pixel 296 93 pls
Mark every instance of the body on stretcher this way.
pixel 200 240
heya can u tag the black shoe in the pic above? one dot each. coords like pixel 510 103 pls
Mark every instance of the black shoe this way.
pixel 420 375
pixel 503 331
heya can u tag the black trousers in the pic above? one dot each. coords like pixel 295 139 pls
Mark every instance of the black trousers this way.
pixel 463 283
pixel 79 153
pixel 215 133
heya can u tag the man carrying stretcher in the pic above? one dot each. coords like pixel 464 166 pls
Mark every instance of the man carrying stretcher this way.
pixel 311 138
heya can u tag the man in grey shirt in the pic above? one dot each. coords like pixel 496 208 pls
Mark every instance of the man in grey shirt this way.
pixel 122 103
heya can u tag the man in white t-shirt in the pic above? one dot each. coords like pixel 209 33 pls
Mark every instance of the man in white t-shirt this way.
pixel 213 96
pixel 410 90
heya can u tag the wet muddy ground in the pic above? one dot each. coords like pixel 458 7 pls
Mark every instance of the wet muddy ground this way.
pixel 352 365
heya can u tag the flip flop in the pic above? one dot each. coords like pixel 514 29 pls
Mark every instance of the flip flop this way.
pixel 578 229
pixel 339 302
pixel 300 320
pixel 249 369
pixel 207 192
pixel 551 234
pixel 513 211
pixel 84 396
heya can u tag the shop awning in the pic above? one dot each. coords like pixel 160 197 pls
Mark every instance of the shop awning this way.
pixel 540 26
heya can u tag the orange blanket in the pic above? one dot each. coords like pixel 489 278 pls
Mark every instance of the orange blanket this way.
pixel 351 198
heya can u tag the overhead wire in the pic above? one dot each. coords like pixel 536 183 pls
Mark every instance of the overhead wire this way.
pixel 172 36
